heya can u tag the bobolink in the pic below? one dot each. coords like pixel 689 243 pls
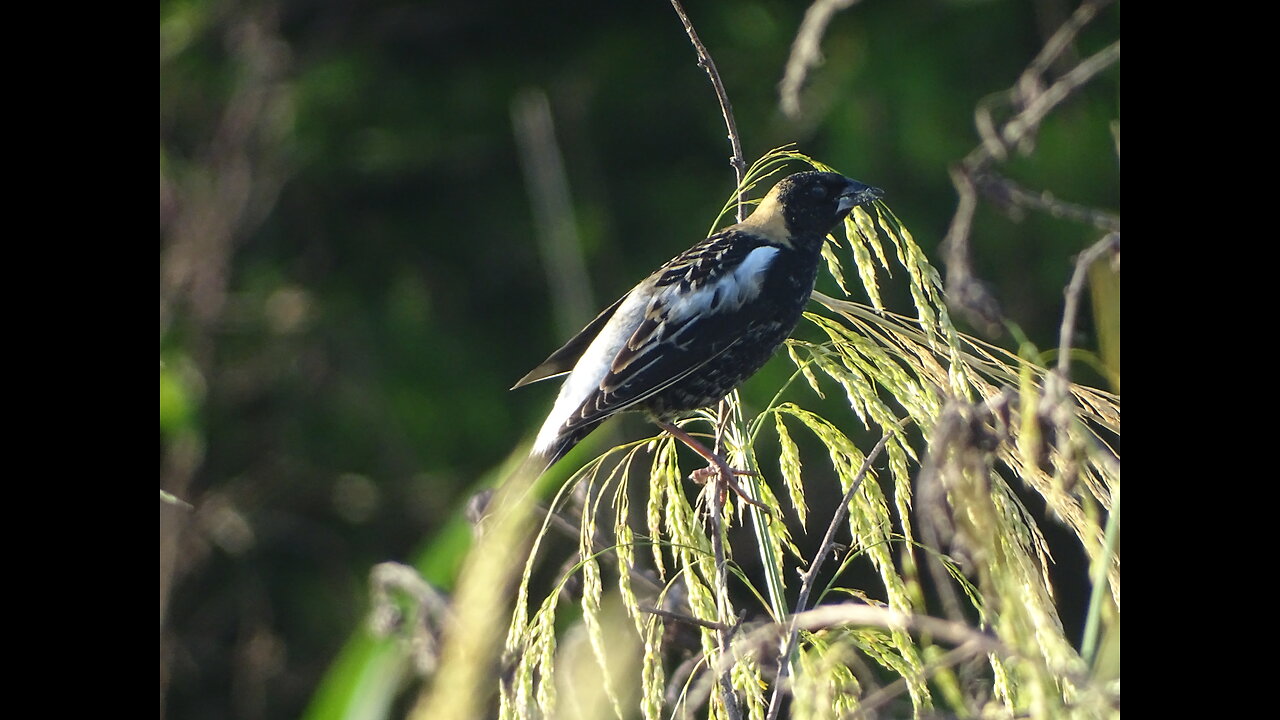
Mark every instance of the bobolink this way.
pixel 701 324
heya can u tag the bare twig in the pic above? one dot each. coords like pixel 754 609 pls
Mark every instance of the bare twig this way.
pixel 761 636
pixel 868 704
pixel 688 619
pixel 806 51
pixel 725 609
pixel 810 576
pixel 1035 99
pixel 420 629
pixel 859 614
pixel 1029 83
pixel 726 109
pixel 1109 243
pixel 1057 406
pixel 963 289
pixel 931 504
pixel 1006 192
pixel 955 633
pixel 717 503
pixel 1030 118
pixel 1030 93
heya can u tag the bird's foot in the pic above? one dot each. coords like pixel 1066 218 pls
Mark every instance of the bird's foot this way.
pixel 726 473
pixel 702 475
pixel 718 466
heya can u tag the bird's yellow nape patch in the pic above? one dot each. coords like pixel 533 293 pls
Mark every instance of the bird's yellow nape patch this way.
pixel 769 221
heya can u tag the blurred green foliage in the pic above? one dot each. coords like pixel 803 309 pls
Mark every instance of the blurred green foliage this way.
pixel 350 280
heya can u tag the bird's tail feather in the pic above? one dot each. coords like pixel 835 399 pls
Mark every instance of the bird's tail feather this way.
pixel 563 443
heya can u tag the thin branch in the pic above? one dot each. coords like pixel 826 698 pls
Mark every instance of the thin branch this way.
pixel 1057 406
pixel 826 617
pixel 687 619
pixel 954 633
pixel 868 704
pixel 964 291
pixel 810 576
pixel 806 52
pixel 723 635
pixel 726 109
pixel 1035 99
pixel 1030 118
pixel 718 490
pixel 935 525
pixel 1109 243
pixel 1006 192
pixel 717 497
pixel 420 630
pixel 1029 82
pixel 1030 87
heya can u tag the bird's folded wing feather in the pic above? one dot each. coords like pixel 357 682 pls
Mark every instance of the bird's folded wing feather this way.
pixel 562 361
pixel 695 315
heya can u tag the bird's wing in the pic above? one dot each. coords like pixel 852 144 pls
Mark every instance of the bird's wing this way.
pixel 693 316
pixel 562 361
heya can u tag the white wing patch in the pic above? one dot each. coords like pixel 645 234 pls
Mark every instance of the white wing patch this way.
pixel 726 294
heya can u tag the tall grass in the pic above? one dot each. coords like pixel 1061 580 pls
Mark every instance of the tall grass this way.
pixel 962 620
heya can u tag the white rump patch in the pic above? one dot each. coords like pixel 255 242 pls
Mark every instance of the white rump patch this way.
pixel 591 368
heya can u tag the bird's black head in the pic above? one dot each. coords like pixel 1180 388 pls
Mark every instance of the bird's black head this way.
pixel 811 203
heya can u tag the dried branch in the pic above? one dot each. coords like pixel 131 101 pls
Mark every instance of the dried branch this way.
pixel 955 633
pixel 725 609
pixel 1012 195
pixel 959 634
pixel 1029 83
pixel 764 635
pixel 882 696
pixel 963 289
pixel 810 576
pixel 1110 243
pixel 1029 119
pixel 726 109
pixel 1058 406
pixel 1035 98
pixel 806 52
pixel 688 619
pixel 717 502
pixel 420 629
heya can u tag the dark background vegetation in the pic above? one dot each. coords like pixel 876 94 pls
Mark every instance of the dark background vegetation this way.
pixel 350 279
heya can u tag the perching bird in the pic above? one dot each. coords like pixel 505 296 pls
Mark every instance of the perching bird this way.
pixel 701 324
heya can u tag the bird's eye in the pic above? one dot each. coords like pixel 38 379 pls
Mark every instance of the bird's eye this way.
pixel 818 192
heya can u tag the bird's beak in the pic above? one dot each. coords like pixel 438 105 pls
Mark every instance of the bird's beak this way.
pixel 858 194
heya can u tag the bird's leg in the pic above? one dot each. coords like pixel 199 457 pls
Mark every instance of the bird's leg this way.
pixel 722 421
pixel 718 464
